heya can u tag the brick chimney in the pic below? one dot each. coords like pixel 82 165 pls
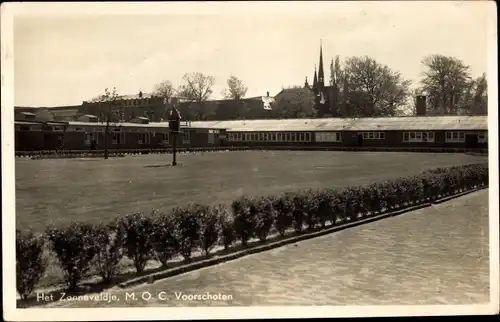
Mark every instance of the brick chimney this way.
pixel 421 105
pixel 140 94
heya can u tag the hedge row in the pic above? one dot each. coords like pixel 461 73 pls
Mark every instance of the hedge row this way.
pixel 114 153
pixel 82 247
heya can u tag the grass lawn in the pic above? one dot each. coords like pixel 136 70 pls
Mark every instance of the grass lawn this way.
pixel 63 190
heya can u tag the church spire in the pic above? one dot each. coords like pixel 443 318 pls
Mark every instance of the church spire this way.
pixel 321 73
pixel 315 80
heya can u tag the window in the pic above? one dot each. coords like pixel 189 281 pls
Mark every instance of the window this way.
pixel 455 137
pixel 482 137
pixel 78 129
pixel 89 136
pixel 36 128
pixel 116 137
pixel 144 138
pixel 418 136
pixel 308 137
pixel 186 138
pixel 165 138
pixel 273 137
pixel 24 128
pixel 301 137
pixel 374 135
pixel 328 137
pixel 293 137
pixel 430 136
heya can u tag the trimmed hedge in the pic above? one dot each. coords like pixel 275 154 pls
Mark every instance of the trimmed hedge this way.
pixel 36 155
pixel 81 247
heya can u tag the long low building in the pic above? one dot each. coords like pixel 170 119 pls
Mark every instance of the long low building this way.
pixel 422 131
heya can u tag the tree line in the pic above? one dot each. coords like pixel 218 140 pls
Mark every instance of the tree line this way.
pixel 359 86
pixel 363 87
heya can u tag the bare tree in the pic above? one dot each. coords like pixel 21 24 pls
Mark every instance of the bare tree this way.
pixel 235 88
pixel 165 90
pixel 198 89
pixel 373 88
pixel 107 107
pixel 446 83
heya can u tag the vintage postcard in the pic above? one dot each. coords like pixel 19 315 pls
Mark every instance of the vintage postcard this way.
pixel 215 160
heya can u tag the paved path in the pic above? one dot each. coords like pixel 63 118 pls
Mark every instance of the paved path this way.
pixel 436 255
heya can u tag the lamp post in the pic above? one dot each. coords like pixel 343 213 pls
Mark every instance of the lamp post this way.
pixel 174 124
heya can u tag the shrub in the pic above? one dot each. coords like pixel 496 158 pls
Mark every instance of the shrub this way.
pixel 264 216
pixel 283 206
pixel 298 214
pixel 310 206
pixel 324 207
pixel 138 244
pixel 30 263
pixel 110 239
pixel 75 248
pixel 244 219
pixel 163 238
pixel 210 228
pixel 226 223
pixel 187 228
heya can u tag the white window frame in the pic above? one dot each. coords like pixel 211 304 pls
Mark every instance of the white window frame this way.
pixel 186 137
pixel 328 136
pixel 418 136
pixel 144 138
pixel 455 137
pixel 165 138
pixel 117 137
pixel 482 137
pixel 373 135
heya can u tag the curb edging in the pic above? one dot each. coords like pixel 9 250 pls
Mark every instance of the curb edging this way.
pixel 258 249
pixel 460 194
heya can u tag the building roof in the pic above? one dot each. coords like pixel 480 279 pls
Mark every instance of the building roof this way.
pixel 408 123
pixel 184 124
pixel 349 124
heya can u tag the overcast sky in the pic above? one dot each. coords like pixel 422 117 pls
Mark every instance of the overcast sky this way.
pixel 71 56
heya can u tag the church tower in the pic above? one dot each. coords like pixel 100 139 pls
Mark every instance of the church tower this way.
pixel 321 72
